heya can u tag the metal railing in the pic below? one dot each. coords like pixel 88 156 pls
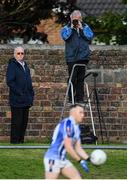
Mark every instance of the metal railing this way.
pixel 108 147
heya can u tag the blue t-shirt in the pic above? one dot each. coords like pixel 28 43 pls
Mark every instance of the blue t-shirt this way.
pixel 66 128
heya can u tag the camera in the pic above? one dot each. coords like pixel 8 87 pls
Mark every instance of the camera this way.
pixel 75 22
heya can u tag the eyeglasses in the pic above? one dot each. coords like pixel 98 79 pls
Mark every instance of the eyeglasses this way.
pixel 20 53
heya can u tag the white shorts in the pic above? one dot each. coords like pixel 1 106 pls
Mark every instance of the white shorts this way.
pixel 55 165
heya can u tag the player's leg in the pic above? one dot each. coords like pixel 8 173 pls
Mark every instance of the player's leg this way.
pixel 51 175
pixel 52 169
pixel 70 171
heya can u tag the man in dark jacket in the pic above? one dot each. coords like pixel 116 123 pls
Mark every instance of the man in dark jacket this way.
pixel 77 36
pixel 21 94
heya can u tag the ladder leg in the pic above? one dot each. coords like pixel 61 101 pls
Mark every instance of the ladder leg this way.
pixel 65 99
pixel 70 85
pixel 72 94
pixel 90 108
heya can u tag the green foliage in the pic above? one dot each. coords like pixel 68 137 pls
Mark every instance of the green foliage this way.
pixel 124 1
pixel 109 28
pixel 20 17
pixel 25 11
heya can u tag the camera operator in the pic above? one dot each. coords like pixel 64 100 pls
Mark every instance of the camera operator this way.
pixel 77 36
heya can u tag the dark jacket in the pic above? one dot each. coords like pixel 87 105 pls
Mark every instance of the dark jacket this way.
pixel 21 92
pixel 77 43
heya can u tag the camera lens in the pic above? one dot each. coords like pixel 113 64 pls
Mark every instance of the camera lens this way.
pixel 75 22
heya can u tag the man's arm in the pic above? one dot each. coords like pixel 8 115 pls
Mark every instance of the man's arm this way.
pixel 10 79
pixel 88 33
pixel 70 149
pixel 77 153
pixel 80 150
pixel 66 32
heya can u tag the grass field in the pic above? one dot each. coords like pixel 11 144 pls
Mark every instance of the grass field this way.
pixel 28 164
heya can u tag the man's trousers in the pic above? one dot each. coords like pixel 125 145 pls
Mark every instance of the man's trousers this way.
pixel 19 120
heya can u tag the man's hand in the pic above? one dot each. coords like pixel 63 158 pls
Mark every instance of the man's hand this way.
pixel 84 165
pixel 80 25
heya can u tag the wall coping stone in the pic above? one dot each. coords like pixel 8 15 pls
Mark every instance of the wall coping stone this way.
pixel 54 47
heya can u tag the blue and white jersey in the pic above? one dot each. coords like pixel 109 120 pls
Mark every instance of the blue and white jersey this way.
pixel 66 128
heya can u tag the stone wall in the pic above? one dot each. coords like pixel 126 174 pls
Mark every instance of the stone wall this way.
pixel 49 75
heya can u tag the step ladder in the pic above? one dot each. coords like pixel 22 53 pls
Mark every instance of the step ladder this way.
pixel 70 86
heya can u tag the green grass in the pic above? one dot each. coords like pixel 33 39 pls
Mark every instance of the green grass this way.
pixel 28 164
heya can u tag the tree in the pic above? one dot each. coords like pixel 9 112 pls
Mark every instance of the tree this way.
pixel 20 17
pixel 110 28
pixel 124 1
pixel 63 10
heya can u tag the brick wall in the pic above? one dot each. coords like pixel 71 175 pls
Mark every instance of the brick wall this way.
pixel 52 29
pixel 49 75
